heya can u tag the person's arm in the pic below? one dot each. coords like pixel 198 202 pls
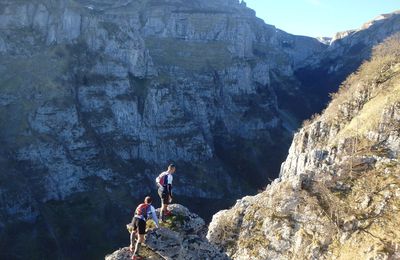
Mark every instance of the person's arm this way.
pixel 154 216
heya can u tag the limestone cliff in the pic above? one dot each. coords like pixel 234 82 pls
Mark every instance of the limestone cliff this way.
pixel 97 96
pixel 339 190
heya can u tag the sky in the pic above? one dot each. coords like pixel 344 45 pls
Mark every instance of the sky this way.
pixel 320 17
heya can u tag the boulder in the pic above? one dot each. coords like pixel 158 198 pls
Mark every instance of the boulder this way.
pixel 180 236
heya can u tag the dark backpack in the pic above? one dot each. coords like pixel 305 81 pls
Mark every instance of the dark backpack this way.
pixel 141 210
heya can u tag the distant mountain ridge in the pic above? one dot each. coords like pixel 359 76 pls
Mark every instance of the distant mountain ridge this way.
pixel 345 54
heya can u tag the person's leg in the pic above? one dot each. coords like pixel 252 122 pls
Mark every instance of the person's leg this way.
pixel 163 206
pixel 133 233
pixel 139 241
pixel 161 212
pixel 140 236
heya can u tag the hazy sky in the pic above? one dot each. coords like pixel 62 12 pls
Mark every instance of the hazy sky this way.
pixel 320 17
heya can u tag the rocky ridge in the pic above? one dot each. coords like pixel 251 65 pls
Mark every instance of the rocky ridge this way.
pixel 338 192
pixel 182 236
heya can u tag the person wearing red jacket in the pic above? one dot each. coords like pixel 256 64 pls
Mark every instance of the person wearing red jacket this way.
pixel 143 212
pixel 164 182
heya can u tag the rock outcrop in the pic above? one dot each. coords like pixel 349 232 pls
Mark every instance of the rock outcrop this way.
pixel 182 236
pixel 338 193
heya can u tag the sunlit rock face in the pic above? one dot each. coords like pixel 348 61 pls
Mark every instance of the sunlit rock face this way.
pixel 338 193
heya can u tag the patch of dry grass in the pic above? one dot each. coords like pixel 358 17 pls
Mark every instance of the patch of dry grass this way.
pixel 358 104
pixel 368 117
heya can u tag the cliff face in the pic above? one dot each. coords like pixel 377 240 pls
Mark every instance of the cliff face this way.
pixel 98 96
pixel 323 73
pixel 338 192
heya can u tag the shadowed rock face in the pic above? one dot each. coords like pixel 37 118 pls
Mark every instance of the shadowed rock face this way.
pixel 97 97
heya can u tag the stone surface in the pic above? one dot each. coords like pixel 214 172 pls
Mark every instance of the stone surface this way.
pixel 99 96
pixel 181 237
pixel 134 85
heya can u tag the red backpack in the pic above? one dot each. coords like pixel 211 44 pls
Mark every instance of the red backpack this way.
pixel 141 210
pixel 162 180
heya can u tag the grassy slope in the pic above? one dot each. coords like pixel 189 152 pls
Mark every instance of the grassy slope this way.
pixel 378 80
pixel 357 108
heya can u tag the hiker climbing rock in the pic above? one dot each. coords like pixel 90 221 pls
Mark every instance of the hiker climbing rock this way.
pixel 142 213
pixel 164 183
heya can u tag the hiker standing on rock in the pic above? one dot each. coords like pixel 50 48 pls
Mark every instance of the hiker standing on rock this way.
pixel 142 213
pixel 164 183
